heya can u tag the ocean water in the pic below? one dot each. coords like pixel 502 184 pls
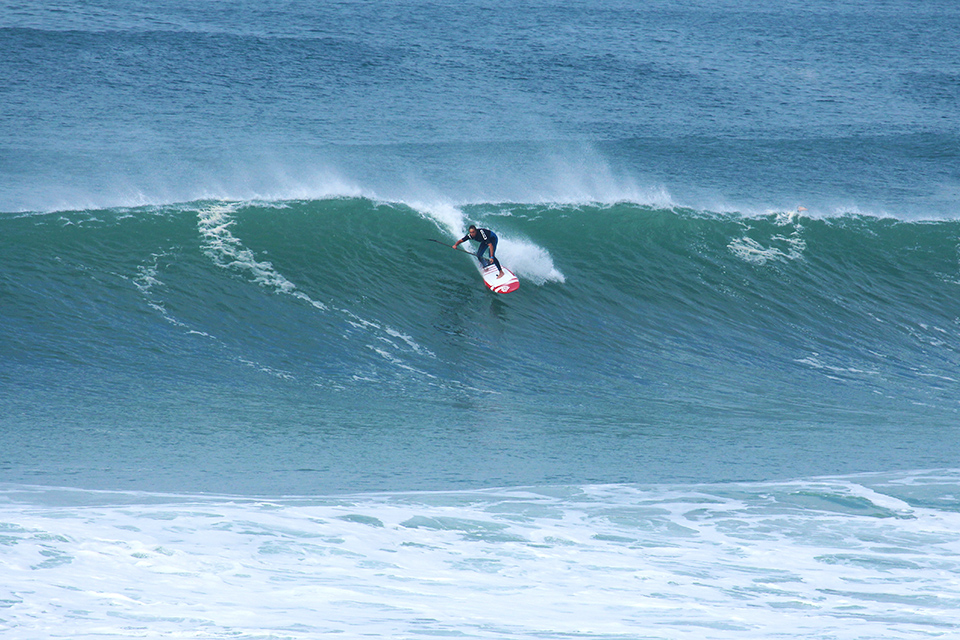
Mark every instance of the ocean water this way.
pixel 243 395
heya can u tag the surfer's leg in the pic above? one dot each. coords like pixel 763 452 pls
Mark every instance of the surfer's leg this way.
pixel 483 260
pixel 494 260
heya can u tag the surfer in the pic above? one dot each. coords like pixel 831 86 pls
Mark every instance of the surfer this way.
pixel 487 239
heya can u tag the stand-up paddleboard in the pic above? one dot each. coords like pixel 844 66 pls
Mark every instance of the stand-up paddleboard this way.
pixel 506 284
pixel 509 282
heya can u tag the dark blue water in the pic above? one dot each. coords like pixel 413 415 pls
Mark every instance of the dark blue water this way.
pixel 834 106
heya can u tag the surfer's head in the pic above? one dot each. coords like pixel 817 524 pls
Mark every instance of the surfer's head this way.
pixel 472 230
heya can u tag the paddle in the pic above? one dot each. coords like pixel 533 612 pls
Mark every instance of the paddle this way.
pixel 451 247
pixel 484 263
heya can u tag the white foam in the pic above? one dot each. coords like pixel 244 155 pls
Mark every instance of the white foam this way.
pixel 228 252
pixel 528 260
pixel 448 217
pixel 781 248
pixel 525 258
pixel 147 280
pixel 825 558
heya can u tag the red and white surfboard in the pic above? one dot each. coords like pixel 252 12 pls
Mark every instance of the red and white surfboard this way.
pixel 506 284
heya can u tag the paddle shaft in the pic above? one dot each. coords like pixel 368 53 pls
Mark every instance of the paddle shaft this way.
pixel 452 247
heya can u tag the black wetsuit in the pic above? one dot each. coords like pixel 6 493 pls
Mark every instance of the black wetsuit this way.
pixel 486 238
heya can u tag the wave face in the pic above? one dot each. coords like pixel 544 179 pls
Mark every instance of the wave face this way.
pixel 326 344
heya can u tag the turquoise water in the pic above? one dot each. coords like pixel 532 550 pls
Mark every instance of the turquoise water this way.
pixel 327 345
pixel 243 395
